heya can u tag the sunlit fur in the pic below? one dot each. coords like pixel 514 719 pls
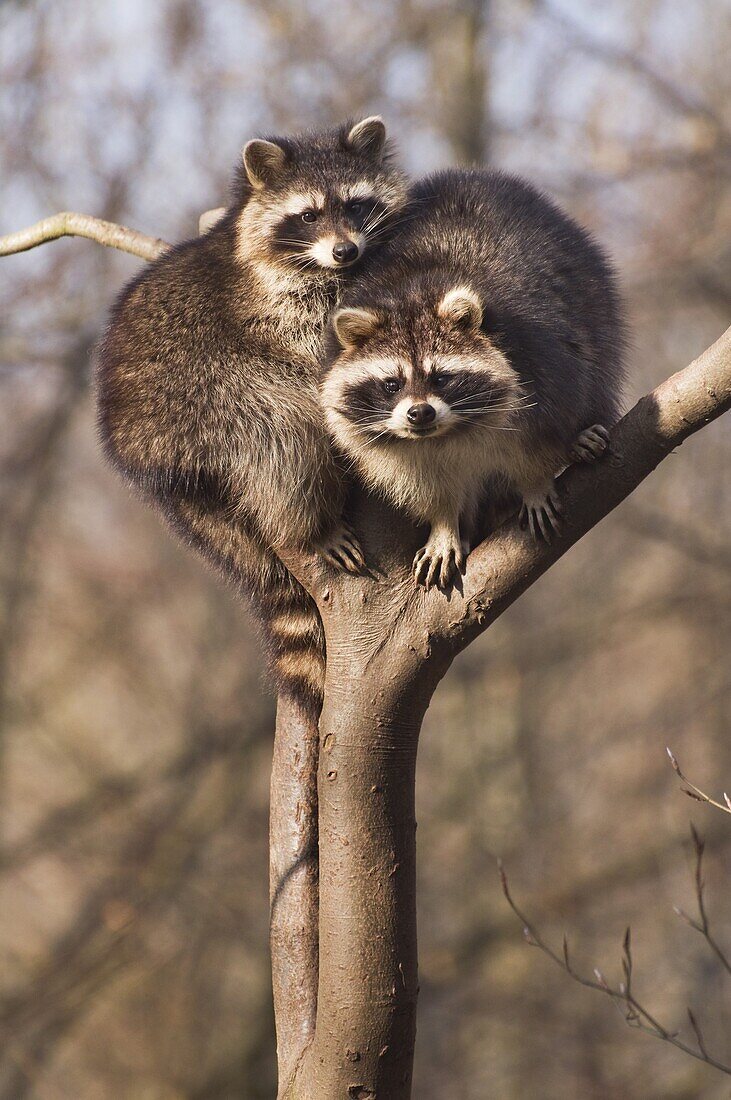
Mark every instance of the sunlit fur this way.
pixel 492 286
pixel 208 374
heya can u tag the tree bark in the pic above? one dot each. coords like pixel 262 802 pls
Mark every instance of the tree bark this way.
pixel 69 224
pixel 293 882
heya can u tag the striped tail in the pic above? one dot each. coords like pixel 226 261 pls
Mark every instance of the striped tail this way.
pixel 295 642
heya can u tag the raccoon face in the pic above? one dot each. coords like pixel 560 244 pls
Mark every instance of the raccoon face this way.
pixel 416 378
pixel 319 206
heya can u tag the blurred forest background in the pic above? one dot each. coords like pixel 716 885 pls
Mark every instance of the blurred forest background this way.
pixel 136 735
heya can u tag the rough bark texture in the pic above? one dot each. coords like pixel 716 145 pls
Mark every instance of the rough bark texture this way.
pixel 293 882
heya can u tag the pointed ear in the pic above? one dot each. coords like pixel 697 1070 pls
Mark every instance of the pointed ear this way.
pixel 367 138
pixel 264 162
pixel 354 326
pixel 461 307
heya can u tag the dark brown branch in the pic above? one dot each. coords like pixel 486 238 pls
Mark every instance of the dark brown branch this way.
pixel 68 224
pixel 633 1012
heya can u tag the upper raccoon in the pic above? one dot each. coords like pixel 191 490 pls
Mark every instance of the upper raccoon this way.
pixel 483 343
pixel 208 372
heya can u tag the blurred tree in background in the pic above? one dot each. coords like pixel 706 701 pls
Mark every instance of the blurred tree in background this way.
pixel 135 735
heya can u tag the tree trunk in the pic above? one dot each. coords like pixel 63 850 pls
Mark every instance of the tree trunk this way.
pixel 293 882
pixel 377 690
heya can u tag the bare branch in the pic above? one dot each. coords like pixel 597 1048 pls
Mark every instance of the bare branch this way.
pixel 702 925
pixel 633 1012
pixel 695 792
pixel 68 224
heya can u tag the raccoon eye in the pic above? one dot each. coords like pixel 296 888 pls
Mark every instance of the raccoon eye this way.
pixel 309 216
pixel 356 208
pixel 391 385
pixel 439 381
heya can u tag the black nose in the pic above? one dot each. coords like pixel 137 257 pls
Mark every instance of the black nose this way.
pixel 420 415
pixel 345 252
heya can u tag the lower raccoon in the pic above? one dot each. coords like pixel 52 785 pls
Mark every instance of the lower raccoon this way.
pixel 208 374
pixel 482 347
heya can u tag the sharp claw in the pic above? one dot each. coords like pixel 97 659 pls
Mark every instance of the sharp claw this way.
pixel 350 558
pixel 420 566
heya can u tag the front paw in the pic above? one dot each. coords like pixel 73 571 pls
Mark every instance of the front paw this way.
pixel 341 549
pixel 440 560
pixel 590 445
pixel 541 513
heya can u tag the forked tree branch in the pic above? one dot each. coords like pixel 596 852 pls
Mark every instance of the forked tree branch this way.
pixel 511 560
pixel 68 224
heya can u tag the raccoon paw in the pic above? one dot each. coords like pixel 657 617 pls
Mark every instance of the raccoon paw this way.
pixel 341 549
pixel 590 445
pixel 439 561
pixel 541 513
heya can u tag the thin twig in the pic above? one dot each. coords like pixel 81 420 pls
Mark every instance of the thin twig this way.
pixel 634 1013
pixel 702 925
pixel 695 792
pixel 69 224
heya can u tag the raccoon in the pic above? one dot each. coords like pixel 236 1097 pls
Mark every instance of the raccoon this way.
pixel 482 347
pixel 207 377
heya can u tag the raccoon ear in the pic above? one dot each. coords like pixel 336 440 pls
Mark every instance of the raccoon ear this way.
pixel 462 307
pixel 368 138
pixel 264 162
pixel 354 326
